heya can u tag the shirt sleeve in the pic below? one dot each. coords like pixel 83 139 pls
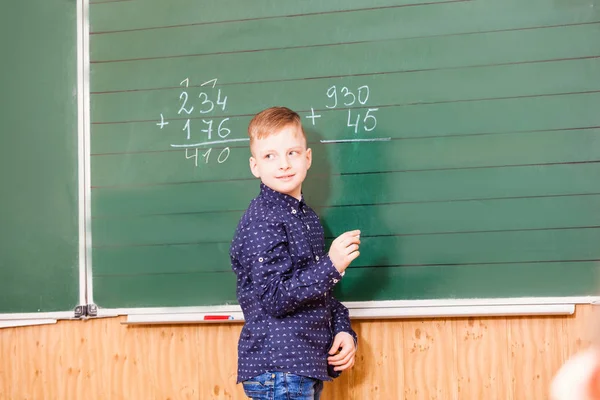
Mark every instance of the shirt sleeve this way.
pixel 280 287
pixel 341 319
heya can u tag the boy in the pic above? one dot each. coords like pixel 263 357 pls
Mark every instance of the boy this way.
pixel 284 277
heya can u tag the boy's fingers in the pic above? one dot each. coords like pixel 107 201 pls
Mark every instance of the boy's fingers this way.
pixel 343 367
pixel 352 248
pixel 342 357
pixel 354 240
pixel 347 238
pixel 344 353
pixel 337 342
pixel 343 361
pixel 346 365
pixel 352 256
pixel 335 360
pixel 350 234
pixel 350 241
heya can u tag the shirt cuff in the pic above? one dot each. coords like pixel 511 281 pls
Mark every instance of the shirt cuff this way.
pixel 332 272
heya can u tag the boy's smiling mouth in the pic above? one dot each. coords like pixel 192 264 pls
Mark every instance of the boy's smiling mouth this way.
pixel 285 177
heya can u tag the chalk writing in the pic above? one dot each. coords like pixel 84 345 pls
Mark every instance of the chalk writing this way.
pixel 203 129
pixel 206 128
pixel 357 120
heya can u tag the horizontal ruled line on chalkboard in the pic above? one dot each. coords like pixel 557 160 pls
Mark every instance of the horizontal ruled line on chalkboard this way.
pixel 104 246
pixel 455 135
pixel 408 71
pixel 386 139
pixel 337 44
pixel 228 271
pixel 419 103
pixel 562 228
pixel 433 3
pixel 473 167
pixel 465 264
pixel 209 143
pixel 362 173
pixel 181 146
pixel 473 263
pixel 171 183
pixel 391 203
pixel 363 236
pixel 458 200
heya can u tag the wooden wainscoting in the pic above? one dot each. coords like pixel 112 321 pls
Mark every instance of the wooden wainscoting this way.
pixel 444 359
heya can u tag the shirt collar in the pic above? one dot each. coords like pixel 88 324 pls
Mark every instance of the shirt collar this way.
pixel 285 201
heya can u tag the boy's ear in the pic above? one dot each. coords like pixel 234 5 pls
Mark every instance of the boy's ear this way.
pixel 308 158
pixel 254 167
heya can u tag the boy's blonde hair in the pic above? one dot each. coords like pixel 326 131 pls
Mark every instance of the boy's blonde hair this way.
pixel 272 120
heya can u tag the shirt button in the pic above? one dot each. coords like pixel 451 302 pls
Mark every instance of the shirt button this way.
pixel 335 280
pixel 317 258
pixel 260 259
pixel 293 211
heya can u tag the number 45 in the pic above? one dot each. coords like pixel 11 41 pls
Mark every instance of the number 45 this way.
pixel 369 122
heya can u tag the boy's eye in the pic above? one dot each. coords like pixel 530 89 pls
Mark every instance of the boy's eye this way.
pixel 293 152
pixel 269 156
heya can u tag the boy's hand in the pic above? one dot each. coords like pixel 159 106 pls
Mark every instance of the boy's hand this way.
pixel 342 352
pixel 344 250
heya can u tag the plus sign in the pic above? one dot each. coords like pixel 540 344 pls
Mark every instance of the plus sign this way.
pixel 162 122
pixel 313 115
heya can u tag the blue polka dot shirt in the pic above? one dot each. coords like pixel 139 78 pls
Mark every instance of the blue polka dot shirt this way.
pixel 284 287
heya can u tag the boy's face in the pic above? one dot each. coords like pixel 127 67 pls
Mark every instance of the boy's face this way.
pixel 281 160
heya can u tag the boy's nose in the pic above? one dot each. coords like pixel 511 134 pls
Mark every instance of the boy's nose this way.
pixel 285 164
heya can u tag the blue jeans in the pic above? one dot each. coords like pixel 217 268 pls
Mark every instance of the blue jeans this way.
pixel 282 386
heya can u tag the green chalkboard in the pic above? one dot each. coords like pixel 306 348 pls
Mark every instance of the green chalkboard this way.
pixel 39 235
pixel 461 137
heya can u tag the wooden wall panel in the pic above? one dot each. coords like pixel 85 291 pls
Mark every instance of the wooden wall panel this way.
pixel 378 370
pixel 466 358
pixel 8 374
pixel 429 360
pixel 163 358
pixel 482 359
pixel 535 354
pixel 218 362
pixel 582 330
